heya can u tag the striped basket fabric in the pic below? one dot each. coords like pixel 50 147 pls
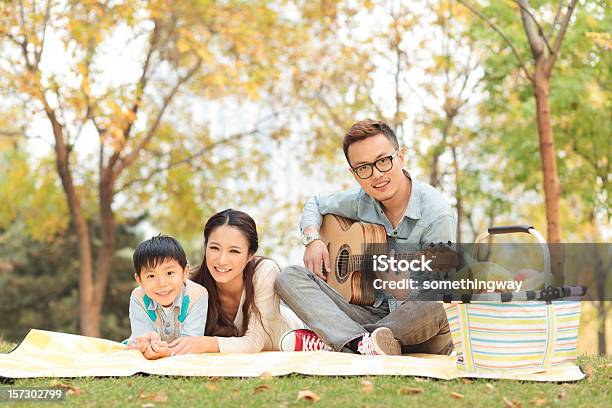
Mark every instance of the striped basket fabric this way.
pixel 525 336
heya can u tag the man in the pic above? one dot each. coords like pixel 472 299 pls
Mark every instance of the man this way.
pixel 412 213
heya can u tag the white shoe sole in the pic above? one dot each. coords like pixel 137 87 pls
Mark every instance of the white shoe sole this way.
pixel 385 343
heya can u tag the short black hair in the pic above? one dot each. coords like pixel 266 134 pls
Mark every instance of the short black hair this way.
pixel 156 250
pixel 364 129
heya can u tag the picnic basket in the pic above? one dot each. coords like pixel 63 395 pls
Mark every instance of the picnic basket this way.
pixel 524 331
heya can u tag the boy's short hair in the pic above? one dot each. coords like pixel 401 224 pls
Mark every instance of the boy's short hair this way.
pixel 158 249
pixel 364 129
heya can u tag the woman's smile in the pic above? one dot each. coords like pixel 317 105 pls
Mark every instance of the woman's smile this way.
pixel 227 253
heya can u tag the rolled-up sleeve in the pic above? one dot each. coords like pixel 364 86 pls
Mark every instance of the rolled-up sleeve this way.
pixel 268 303
pixel 343 203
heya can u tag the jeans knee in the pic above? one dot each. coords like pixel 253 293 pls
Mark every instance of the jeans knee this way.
pixel 286 278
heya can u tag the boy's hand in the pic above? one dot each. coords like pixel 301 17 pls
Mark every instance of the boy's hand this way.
pixel 147 338
pixel 184 345
pixel 155 350
pixel 150 345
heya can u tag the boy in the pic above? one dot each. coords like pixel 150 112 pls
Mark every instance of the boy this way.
pixel 166 305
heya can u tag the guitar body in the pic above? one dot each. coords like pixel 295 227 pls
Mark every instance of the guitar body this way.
pixel 345 241
pixel 352 273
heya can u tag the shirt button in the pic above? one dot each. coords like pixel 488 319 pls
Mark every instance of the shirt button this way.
pixel 394 232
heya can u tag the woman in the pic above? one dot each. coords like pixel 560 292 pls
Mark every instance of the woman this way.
pixel 244 312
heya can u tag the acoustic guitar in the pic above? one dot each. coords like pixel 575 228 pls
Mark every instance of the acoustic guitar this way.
pixel 352 244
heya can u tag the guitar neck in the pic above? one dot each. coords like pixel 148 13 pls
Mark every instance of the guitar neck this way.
pixel 366 261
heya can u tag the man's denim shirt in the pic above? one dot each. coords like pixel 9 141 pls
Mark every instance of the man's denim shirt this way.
pixel 428 219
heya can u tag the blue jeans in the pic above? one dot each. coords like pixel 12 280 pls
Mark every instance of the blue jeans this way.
pixel 420 327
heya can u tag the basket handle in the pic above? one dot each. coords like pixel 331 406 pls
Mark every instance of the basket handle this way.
pixel 509 229
pixel 528 229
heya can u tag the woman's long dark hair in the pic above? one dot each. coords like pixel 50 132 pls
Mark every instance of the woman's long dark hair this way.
pixel 217 323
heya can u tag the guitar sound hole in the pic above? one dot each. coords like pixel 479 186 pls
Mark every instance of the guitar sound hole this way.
pixel 342 265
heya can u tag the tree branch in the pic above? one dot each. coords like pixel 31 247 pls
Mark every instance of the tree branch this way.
pixel 559 39
pixel 541 37
pixel 187 159
pixel 556 20
pixel 129 159
pixel 501 33
pixel 38 51
pixel 144 78
pixel 140 87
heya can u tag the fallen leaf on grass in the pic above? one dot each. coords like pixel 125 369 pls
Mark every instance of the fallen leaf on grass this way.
pixel 561 395
pixel 490 387
pixel 512 404
pixel 211 386
pixel 411 390
pixel 466 381
pixel 367 386
pixel 148 405
pixel 157 397
pixel 265 375
pixel 70 389
pixel 540 402
pixel 419 379
pixel 262 388
pixel 308 396
pixel 456 395
pixel 589 371
pixel 160 397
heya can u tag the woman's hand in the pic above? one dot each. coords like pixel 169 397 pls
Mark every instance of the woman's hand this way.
pixel 194 345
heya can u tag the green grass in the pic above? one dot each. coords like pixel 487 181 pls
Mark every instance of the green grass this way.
pixel 149 391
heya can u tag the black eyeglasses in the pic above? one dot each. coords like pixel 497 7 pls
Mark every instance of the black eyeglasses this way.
pixel 384 164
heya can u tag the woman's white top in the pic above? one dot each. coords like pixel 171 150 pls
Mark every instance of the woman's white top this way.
pixel 276 318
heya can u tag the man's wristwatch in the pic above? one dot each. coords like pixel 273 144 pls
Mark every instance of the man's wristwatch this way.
pixel 308 238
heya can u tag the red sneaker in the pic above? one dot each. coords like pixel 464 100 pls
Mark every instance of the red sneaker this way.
pixel 302 340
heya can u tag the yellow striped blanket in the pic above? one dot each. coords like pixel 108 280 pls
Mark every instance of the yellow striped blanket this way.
pixel 51 354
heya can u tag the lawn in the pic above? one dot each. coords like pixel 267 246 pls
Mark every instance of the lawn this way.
pixel 154 391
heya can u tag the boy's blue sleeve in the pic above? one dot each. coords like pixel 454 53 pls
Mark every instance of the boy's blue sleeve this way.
pixel 140 321
pixel 195 321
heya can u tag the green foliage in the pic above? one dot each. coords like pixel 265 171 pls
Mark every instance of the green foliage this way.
pixel 39 201
pixel 580 105
pixel 39 281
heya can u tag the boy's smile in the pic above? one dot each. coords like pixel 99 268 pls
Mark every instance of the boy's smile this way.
pixel 164 282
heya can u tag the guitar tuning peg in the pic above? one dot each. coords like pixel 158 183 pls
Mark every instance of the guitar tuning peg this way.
pixel 449 243
pixel 431 245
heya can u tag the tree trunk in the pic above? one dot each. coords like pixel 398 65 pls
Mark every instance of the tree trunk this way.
pixel 548 158
pixel 89 326
pixel 433 175
pixel 601 275
pixel 601 328
pixel 107 250
pixel 548 161
pixel 458 195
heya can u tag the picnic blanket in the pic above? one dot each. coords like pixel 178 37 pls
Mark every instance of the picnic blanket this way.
pixel 52 354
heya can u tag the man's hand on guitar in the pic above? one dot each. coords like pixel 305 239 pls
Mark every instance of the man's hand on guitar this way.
pixel 316 256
